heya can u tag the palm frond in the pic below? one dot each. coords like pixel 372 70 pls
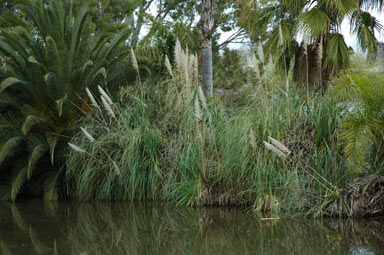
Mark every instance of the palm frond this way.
pixel 337 56
pixel 314 22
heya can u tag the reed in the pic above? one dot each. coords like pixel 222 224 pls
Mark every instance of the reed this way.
pixel 175 145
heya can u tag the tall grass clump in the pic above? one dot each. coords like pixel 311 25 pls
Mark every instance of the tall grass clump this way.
pixel 114 155
pixel 276 153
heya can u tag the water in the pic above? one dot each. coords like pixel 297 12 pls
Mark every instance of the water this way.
pixel 35 227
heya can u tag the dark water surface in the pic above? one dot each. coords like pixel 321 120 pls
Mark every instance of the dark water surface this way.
pixel 35 227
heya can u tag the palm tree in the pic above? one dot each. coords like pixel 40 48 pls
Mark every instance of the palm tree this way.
pixel 323 51
pixel 47 64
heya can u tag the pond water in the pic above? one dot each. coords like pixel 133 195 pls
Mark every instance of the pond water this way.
pixel 36 227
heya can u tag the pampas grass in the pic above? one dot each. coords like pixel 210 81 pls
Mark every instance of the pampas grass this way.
pixel 134 60
pixel 198 113
pixel 88 135
pixel 105 95
pixel 76 148
pixel 280 146
pixel 202 98
pixel 275 150
pixel 255 64
pixel 107 106
pixel 168 66
pixel 179 55
pixel 188 151
pixel 93 100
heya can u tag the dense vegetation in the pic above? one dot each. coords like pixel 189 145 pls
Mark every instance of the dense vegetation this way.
pixel 91 111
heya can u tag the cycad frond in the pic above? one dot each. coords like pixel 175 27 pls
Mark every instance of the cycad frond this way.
pixel 37 152
pixel 9 146
pixel 9 82
pixel 30 121
pixel 18 182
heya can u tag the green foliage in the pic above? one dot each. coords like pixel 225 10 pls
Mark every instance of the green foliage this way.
pixel 49 63
pixel 277 24
pixel 361 96
pixel 172 145
pixel 230 70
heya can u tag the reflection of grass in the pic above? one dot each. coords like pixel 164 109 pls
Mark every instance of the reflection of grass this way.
pixel 152 229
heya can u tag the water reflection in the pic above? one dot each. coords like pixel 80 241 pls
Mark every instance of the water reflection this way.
pixel 36 227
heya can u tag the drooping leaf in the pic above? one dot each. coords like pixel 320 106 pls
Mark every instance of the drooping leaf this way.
pixel 30 121
pixel 9 146
pixel 50 189
pixel 60 103
pixel 52 141
pixel 18 182
pixel 37 152
pixel 9 82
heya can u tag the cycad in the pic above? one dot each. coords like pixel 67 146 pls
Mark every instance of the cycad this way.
pixel 48 66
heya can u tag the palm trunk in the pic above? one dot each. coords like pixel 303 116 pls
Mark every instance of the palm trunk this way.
pixel 207 26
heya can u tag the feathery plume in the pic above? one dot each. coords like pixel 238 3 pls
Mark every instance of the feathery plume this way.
pixel 202 98
pixel 93 101
pixel 252 138
pixel 186 72
pixel 117 169
pixel 88 135
pixel 198 114
pixel 105 95
pixel 107 107
pixel 281 38
pixel 76 148
pixel 168 65
pixel 270 66
pixel 260 52
pixel 134 60
pixel 178 54
pixel 280 146
pixel 255 64
pixel 275 150
pixel 199 135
